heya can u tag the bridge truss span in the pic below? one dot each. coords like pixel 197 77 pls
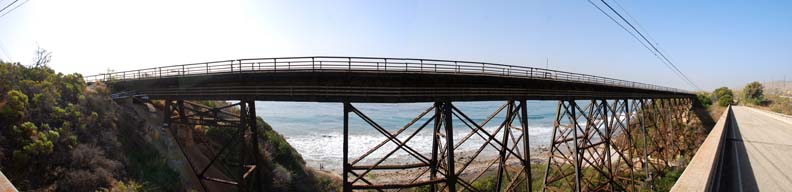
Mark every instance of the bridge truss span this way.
pixel 608 134
pixel 596 145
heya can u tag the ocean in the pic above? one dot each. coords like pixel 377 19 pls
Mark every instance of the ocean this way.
pixel 315 129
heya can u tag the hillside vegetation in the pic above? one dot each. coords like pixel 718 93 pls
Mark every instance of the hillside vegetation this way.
pixel 754 94
pixel 58 134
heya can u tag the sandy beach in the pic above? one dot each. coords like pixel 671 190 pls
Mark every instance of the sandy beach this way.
pixel 480 164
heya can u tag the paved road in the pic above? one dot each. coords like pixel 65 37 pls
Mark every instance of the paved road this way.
pixel 758 153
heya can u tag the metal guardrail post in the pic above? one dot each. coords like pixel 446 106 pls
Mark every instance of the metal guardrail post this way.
pixel 421 65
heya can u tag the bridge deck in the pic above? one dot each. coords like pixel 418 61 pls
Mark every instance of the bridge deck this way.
pixel 758 153
pixel 361 79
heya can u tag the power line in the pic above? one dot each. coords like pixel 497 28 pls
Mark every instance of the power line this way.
pixel 2 48
pixel 651 44
pixel 639 40
pixel 644 41
pixel 12 9
pixel 629 16
pixel 7 6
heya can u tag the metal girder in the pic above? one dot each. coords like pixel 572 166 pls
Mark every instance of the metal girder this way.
pixel 442 169
pixel 597 145
pixel 603 144
pixel 248 174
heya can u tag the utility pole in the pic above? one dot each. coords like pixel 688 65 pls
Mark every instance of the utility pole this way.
pixel 547 62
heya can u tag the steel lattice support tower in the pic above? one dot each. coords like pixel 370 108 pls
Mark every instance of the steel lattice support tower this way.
pixel 603 144
pixel 181 115
pixel 439 169
pixel 597 145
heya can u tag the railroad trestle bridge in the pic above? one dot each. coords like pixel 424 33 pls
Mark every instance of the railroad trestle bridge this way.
pixel 608 134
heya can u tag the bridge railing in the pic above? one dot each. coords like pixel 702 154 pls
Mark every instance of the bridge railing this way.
pixel 366 64
pixel 705 169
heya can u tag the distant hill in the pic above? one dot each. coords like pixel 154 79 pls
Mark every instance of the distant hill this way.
pixel 778 87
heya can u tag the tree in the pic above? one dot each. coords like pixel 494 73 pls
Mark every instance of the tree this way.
pixel 704 99
pixel 754 93
pixel 42 58
pixel 724 96
pixel 726 100
pixel 720 92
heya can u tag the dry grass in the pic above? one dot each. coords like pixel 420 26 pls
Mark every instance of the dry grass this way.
pixel 775 103
pixel 716 111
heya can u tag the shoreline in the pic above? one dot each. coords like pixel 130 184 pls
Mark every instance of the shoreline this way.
pixel 537 156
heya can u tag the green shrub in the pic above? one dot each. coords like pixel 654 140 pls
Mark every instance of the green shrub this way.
pixel 148 165
pixel 49 125
pixel 15 107
pixel 129 186
pixel 704 99
pixel 754 93
pixel 725 100
pixel 723 95
pixel 665 182
pixel 721 92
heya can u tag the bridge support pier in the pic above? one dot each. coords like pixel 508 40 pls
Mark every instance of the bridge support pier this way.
pixel 439 169
pixel 249 174
pixel 594 145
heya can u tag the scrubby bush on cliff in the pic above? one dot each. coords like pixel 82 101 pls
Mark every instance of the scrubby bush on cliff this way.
pixel 56 134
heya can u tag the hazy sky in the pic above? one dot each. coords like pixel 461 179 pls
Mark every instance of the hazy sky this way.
pixel 717 43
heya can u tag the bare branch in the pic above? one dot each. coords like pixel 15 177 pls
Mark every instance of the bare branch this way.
pixel 43 57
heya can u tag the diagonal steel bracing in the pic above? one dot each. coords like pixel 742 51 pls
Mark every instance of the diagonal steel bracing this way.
pixel 180 117
pixel 597 145
pixel 617 144
pixel 442 168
